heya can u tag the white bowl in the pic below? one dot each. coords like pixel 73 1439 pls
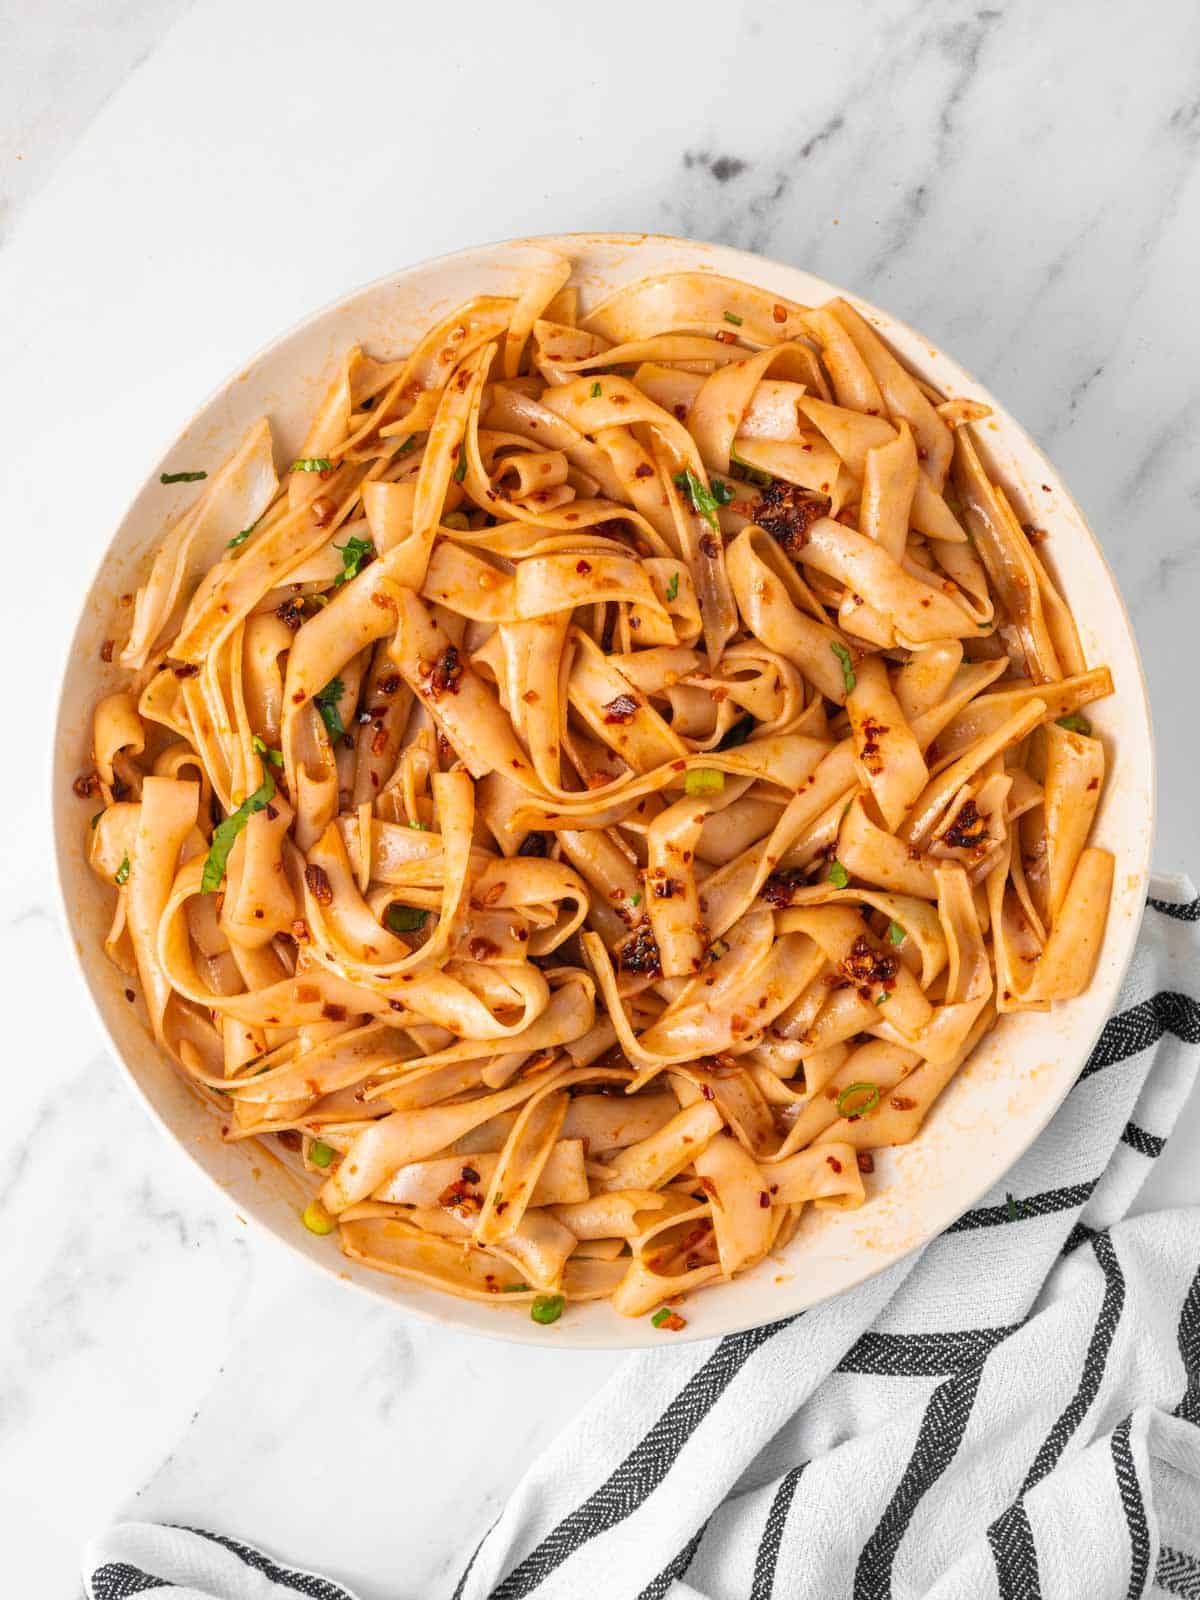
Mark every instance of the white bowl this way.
pixel 996 1105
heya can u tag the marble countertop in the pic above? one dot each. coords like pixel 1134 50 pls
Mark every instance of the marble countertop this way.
pixel 179 183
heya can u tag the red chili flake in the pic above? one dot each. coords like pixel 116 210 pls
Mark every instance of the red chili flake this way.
pixel 189 670
pixel 865 1161
pixel 834 1163
pixel 583 568
pixel 379 742
pixel 396 1005
pixel 469 1175
pixel 680 412
pixel 764 1199
pixel 864 964
pixel 643 469
pixel 333 1013
pixel 969 829
pixel 130 996
pixel 457 1196
pixel 901 1102
pixel 787 512
pixel 299 930
pixel 707 1091
pixel 289 1138
pixel 672 1322
pixel 639 953
pixel 106 650
pixel 780 887
pixel 726 337
pixel 622 709
pixel 778 314
pixel 319 886
pixel 667 888
pixel 445 675
pixel 709 546
pixel 86 785
pixel 482 949
pixel 390 684
pixel 872 732
pixel 291 612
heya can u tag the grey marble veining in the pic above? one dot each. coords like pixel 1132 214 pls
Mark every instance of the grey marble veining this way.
pixel 1020 181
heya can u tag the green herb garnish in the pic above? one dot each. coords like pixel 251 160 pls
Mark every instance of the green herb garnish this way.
pixel 1075 724
pixel 327 704
pixel 673 586
pixel 181 477
pixel 405 919
pixel 754 475
pixel 635 899
pixel 843 655
pixel 312 464
pixel 408 445
pixel 884 994
pixel 845 1107
pixel 736 320
pixel 1010 1206
pixel 838 876
pixel 225 833
pixel 701 781
pixel 547 1308
pixel 596 391
pixel 514 1288
pixel 121 875
pixel 423 826
pixel 355 554
pixel 261 748
pixel 240 538
pixel 460 470
pixel 723 492
pixel 320 1153
pixel 896 933
pixel 702 501
pixel 96 818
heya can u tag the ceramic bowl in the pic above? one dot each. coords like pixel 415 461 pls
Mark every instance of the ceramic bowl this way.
pixel 996 1105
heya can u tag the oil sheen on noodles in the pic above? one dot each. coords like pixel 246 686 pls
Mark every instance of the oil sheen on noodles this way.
pixel 600 790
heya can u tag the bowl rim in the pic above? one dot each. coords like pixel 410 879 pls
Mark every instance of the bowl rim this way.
pixel 383 1287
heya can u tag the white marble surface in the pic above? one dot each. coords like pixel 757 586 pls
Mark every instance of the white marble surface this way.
pixel 1020 181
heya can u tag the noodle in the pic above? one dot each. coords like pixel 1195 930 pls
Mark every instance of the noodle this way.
pixel 602 791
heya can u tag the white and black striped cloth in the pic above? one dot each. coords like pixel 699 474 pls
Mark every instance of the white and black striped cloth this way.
pixel 1013 1414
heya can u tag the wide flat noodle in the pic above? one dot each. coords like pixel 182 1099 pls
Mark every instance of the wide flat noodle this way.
pixel 606 789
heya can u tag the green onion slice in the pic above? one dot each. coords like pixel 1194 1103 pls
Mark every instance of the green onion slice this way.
pixel 846 1105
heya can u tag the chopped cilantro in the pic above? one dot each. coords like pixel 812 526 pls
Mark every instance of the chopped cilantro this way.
pixel 240 538
pixel 275 757
pixel 460 470
pixel 673 586
pixel 702 501
pixel 225 834
pixel 896 933
pixel 327 704
pixel 755 475
pixel 838 876
pixel 355 554
pixel 1075 724
pixel 121 875
pixel 312 464
pixel 596 391
pixel 181 477
pixel 736 320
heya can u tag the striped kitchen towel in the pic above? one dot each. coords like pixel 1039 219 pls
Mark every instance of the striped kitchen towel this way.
pixel 1014 1413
